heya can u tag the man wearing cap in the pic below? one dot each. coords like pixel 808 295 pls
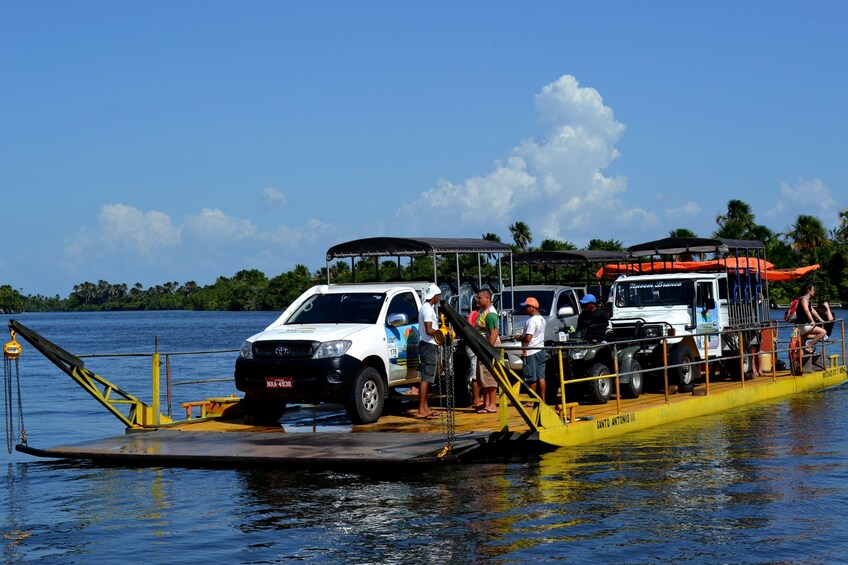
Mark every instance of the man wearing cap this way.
pixel 532 340
pixel 428 351
pixel 593 322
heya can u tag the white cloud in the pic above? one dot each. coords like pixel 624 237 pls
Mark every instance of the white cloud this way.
pixel 690 208
pixel 213 225
pixel 805 197
pixel 555 183
pixel 272 198
pixel 126 227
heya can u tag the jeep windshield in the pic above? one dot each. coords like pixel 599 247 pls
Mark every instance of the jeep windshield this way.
pixel 545 298
pixel 666 292
pixel 347 308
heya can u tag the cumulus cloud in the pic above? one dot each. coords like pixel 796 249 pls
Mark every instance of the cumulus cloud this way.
pixel 272 198
pixel 555 183
pixel 122 226
pixel 805 197
pixel 213 225
pixel 690 209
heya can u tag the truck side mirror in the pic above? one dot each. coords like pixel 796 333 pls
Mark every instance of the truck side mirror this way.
pixel 565 312
pixel 396 320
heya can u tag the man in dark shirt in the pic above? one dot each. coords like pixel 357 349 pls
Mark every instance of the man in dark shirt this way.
pixel 593 321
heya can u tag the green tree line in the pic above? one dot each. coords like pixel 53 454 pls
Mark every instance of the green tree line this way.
pixel 806 242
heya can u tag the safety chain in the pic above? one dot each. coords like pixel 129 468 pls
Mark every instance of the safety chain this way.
pixel 8 386
pixel 11 351
pixel 7 397
pixel 446 378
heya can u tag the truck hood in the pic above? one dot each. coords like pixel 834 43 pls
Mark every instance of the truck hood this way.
pixel 309 332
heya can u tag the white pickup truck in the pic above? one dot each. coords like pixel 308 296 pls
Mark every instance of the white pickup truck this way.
pixel 347 343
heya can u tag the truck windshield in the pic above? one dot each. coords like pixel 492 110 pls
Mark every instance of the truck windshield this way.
pixel 348 308
pixel 669 292
pixel 545 298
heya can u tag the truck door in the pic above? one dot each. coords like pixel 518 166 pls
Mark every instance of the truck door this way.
pixel 707 317
pixel 402 341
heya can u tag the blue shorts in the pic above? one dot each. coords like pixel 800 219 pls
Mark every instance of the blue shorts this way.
pixel 428 354
pixel 534 367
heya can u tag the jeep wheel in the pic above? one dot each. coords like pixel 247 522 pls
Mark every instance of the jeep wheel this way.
pixel 634 388
pixel 684 374
pixel 600 390
pixel 262 411
pixel 365 400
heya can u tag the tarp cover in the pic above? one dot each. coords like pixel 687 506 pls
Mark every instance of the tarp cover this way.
pixel 414 247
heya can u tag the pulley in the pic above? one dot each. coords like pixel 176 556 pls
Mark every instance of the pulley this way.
pixel 12 350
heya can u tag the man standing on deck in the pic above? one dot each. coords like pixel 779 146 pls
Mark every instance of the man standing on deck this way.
pixel 487 324
pixel 532 340
pixel 428 351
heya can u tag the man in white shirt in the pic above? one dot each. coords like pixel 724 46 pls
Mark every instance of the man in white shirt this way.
pixel 428 350
pixel 532 341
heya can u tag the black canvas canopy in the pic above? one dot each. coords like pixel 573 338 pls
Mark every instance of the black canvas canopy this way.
pixel 413 247
pixel 568 257
pixel 678 245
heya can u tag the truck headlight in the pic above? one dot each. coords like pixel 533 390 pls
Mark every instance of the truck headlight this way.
pixel 246 350
pixel 578 354
pixel 329 349
pixel 652 331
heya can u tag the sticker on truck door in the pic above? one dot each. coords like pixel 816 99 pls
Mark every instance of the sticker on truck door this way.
pixel 402 342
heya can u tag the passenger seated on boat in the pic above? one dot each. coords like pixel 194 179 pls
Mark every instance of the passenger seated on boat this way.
pixel 593 322
pixel 806 319
pixel 823 309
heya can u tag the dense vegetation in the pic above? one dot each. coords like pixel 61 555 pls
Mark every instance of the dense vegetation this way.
pixel 807 242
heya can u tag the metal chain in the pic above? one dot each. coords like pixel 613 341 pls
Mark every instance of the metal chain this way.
pixel 21 427
pixel 7 402
pixel 447 382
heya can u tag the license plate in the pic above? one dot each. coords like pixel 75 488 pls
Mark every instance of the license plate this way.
pixel 279 382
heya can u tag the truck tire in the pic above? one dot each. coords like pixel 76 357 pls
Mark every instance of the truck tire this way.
pixel 685 375
pixel 365 400
pixel 262 411
pixel 634 388
pixel 600 390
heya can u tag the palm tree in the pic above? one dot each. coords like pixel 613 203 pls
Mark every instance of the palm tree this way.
pixel 738 221
pixel 521 235
pixel 806 235
pixel 682 232
pixel 841 231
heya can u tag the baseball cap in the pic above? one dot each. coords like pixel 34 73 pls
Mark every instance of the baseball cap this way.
pixel 432 291
pixel 588 299
pixel 530 302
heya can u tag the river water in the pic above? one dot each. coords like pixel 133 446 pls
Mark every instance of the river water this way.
pixel 766 484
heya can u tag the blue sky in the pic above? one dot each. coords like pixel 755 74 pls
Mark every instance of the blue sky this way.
pixel 173 141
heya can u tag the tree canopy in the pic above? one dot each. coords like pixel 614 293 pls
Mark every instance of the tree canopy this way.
pixel 805 242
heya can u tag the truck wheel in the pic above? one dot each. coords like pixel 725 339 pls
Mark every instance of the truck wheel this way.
pixel 684 375
pixel 365 400
pixel 634 388
pixel 600 390
pixel 262 411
